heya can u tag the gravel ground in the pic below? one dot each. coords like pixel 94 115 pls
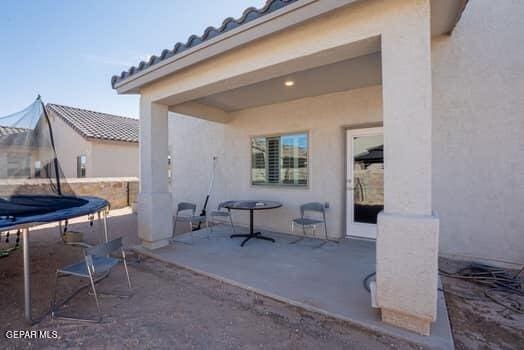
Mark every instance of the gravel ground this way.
pixel 170 308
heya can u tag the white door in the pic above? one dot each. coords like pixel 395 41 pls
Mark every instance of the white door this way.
pixel 365 181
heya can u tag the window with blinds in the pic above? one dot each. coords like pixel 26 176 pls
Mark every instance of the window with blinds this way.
pixel 280 160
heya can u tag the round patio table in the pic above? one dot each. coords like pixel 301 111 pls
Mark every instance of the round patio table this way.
pixel 252 205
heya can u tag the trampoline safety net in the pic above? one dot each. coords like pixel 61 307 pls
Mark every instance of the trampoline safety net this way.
pixel 31 179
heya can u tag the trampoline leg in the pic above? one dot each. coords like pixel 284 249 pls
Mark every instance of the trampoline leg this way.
pixel 27 274
pixel 99 223
pixel 105 225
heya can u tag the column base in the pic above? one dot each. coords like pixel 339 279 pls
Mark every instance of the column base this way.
pixel 155 219
pixel 155 244
pixel 409 322
pixel 407 270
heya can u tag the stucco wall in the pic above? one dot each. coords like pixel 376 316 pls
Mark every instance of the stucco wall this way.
pixel 192 144
pixel 478 133
pixel 69 145
pixel 323 117
pixel 104 158
pixel 110 159
pixel 478 167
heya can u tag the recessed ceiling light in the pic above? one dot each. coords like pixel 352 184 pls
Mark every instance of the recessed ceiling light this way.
pixel 289 83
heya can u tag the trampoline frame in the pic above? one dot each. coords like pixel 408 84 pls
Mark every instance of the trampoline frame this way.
pixel 25 228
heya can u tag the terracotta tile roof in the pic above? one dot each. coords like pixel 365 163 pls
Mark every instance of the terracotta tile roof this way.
pixel 96 125
pixel 228 24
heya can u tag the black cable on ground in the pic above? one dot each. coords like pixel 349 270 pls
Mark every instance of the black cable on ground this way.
pixel 501 285
pixel 460 295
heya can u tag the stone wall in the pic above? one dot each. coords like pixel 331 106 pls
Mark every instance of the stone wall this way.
pixel 119 191
pixel 369 185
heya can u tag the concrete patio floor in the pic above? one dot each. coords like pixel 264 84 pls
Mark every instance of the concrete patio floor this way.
pixel 326 279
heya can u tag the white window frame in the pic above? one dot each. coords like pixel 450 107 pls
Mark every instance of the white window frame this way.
pixel 37 169
pixel 78 166
pixel 280 184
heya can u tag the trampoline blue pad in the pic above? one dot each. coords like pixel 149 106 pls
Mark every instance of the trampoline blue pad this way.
pixel 43 209
pixel 27 205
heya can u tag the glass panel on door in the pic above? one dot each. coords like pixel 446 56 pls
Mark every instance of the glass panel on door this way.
pixel 368 178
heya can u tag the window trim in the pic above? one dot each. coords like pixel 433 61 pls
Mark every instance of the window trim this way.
pixel 39 169
pixel 78 166
pixel 281 186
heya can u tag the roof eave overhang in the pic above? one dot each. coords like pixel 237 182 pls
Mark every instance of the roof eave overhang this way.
pixel 279 20
pixel 274 22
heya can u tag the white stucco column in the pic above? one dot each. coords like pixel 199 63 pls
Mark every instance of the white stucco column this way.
pixel 155 214
pixel 407 241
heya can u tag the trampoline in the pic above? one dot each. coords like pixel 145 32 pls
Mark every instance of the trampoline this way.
pixel 39 209
pixel 33 188
pixel 63 209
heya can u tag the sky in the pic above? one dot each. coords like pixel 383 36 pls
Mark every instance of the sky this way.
pixel 67 51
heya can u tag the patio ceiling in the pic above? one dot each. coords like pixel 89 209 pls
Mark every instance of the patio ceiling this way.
pixel 341 76
pixel 345 67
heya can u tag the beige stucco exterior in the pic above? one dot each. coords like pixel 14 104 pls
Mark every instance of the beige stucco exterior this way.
pixel 324 118
pixel 477 141
pixel 401 31
pixel 478 134
pixel 114 159
pixel 477 138
pixel 104 158
pixel 69 144
pixel 444 128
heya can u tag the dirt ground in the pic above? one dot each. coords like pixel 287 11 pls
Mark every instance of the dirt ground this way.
pixel 172 308
pixel 476 321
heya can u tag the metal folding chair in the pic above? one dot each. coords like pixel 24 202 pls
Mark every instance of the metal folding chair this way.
pixel 220 213
pixel 96 266
pixel 191 218
pixel 306 220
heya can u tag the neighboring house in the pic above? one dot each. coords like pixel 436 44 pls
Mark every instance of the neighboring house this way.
pixel 94 144
pixel 291 96
pixel 21 153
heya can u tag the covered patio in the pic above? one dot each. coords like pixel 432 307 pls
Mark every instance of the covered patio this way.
pixel 326 278
pixel 320 68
